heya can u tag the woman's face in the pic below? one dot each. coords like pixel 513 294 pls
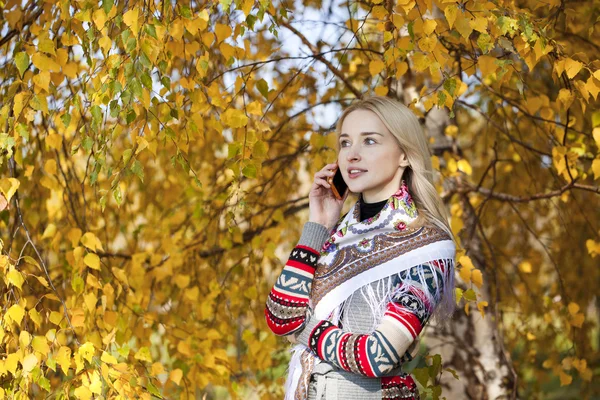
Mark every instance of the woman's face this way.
pixel 365 144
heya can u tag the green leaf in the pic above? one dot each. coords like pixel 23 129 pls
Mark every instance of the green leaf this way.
pixel 66 119
pixel 23 131
pixel 96 115
pixel 107 5
pixel 77 284
pixel 87 143
pixel 233 149
pixel 263 88
pixel 138 169
pixel 249 171
pixel 185 12
pixel 151 30
pixel 131 116
pixel 146 80
pixel 250 21
pixel 22 61
pixel 450 86
pixel 136 87
pixel 422 375
pixel 153 390
pixel 470 295
pixel 117 195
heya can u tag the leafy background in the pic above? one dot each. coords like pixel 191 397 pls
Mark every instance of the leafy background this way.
pixel 154 162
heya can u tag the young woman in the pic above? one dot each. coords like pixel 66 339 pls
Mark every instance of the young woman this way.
pixel 358 290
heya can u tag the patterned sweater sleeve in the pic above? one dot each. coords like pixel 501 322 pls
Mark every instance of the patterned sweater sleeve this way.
pixel 287 302
pixel 377 353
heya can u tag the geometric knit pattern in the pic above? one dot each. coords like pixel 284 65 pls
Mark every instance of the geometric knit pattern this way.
pixel 399 387
pixel 287 303
pixel 376 354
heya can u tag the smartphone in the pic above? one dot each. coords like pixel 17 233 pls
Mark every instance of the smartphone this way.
pixel 338 185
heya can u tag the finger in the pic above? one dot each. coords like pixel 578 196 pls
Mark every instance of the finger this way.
pixel 322 182
pixel 322 173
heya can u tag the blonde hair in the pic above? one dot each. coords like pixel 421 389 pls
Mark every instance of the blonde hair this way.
pixel 405 127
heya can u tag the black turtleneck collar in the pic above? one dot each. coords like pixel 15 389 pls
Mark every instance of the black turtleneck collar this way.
pixel 368 210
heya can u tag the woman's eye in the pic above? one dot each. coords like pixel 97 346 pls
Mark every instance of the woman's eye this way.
pixel 343 142
pixel 370 140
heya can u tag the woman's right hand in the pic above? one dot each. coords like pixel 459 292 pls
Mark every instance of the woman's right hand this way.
pixel 324 207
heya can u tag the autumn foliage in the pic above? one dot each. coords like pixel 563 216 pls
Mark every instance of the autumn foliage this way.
pixel 154 158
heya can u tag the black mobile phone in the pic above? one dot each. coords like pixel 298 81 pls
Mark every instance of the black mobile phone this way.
pixel 338 185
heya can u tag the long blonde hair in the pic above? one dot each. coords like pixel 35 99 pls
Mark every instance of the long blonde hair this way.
pixel 405 127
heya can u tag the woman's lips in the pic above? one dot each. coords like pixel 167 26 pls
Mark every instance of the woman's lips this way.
pixel 355 174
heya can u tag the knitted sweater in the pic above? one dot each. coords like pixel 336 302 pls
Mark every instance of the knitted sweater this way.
pixel 384 340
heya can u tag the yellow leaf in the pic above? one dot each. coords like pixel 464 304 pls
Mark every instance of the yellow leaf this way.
pixel 131 20
pixel 451 130
pixel 92 260
pixel 107 358
pixel 15 313
pixel 463 26
pixel 63 358
pixel 24 339
pixel 8 187
pixel 157 368
pixel 381 90
pixel 577 320
pixel 477 278
pixel 90 241
pixel 573 308
pixel 44 63
pixel 15 278
pixel 596 168
pixel 487 65
pixel 82 393
pixel 525 267
pixel 565 379
pixel 234 118
pixel 99 18
pixel 429 26
pixel 421 61
pixel 464 166
pixel 11 362
pixel 95 383
pixel 428 43
pixel 55 317
pixel 87 351
pixel 176 375
pixel 530 336
pixel 29 362
pixel 40 344
pixel 143 354
pixel 222 32
pixel 255 108
pixel 105 43
pixel 479 24
pixel 42 80
pixel 54 141
pixel 450 13
pixel 593 247
pixel 398 21
pixel 480 306
pixel 120 274
pixel 49 232
pixel 35 317
pixel 572 67
pixel 565 97
pixel 375 67
pixel 466 268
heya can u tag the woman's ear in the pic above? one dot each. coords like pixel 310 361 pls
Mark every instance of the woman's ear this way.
pixel 403 161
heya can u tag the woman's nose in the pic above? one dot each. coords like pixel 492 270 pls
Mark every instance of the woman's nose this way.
pixel 353 154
